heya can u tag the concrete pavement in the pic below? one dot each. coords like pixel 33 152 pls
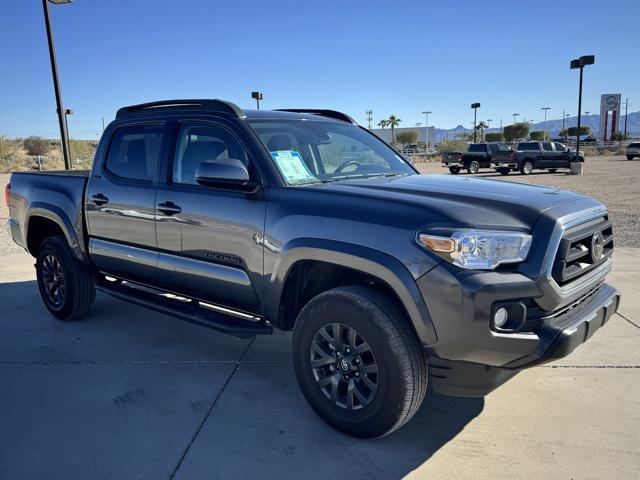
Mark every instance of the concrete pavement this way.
pixel 130 393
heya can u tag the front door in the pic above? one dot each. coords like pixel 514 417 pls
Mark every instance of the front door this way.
pixel 209 239
pixel 120 203
pixel 548 155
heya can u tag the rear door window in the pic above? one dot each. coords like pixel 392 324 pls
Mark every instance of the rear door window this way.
pixel 477 148
pixel 528 146
pixel 134 151
pixel 547 147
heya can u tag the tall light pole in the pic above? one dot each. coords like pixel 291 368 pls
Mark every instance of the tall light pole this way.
pixel 257 96
pixel 369 114
pixel 626 109
pixel 426 129
pixel 546 109
pixel 489 120
pixel 580 63
pixel 514 117
pixel 56 83
pixel 475 107
pixel 67 112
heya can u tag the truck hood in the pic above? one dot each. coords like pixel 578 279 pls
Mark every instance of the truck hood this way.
pixel 449 200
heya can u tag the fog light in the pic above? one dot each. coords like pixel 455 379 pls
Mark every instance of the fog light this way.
pixel 500 317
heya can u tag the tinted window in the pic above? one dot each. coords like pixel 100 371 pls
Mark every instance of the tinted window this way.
pixel 203 143
pixel 547 147
pixel 560 147
pixel 634 145
pixel 528 146
pixel 477 148
pixel 499 147
pixel 133 153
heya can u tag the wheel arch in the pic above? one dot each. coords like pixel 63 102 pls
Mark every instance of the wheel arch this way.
pixel 44 220
pixel 320 265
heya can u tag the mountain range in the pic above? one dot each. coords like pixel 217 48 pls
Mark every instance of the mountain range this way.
pixel 555 125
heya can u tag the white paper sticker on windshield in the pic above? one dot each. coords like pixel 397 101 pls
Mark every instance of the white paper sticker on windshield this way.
pixel 292 166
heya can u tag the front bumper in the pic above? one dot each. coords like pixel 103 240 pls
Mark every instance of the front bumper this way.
pixel 470 358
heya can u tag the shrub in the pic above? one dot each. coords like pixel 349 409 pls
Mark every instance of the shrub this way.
pixel 494 137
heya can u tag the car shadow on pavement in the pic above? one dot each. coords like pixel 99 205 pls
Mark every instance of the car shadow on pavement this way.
pixel 256 423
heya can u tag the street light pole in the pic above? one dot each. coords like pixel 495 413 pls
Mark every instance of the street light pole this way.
pixel 257 96
pixel 475 107
pixel 369 114
pixel 514 117
pixel 626 109
pixel 426 127
pixel 64 134
pixel 581 63
pixel 545 120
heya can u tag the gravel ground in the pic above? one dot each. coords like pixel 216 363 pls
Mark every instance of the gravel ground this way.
pixel 613 180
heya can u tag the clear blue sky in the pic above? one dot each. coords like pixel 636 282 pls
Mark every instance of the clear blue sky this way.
pixel 394 57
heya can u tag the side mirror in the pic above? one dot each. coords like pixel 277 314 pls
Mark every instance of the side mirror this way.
pixel 230 174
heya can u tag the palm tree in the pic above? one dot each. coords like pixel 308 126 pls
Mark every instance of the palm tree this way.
pixel 393 122
pixel 383 123
pixel 481 126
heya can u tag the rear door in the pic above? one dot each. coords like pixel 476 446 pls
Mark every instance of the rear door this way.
pixel 120 202
pixel 210 239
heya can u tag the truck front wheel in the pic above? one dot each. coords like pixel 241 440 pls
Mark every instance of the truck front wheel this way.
pixel 473 167
pixel 66 286
pixel 359 364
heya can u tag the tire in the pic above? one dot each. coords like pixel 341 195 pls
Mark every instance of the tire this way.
pixel 454 170
pixel 629 157
pixel 401 362
pixel 503 171
pixel 473 167
pixel 552 170
pixel 73 297
pixel 526 168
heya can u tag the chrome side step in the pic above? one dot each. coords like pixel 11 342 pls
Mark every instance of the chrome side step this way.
pixel 187 309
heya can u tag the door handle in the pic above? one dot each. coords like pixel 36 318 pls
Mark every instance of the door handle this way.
pixel 99 199
pixel 169 208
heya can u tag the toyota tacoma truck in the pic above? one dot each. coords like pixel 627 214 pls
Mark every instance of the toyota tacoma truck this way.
pixel 250 220
pixel 477 156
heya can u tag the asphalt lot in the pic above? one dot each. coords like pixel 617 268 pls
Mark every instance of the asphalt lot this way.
pixel 130 393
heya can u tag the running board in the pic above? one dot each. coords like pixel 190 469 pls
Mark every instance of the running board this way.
pixel 186 309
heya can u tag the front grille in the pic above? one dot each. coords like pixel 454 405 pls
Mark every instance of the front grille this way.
pixel 582 249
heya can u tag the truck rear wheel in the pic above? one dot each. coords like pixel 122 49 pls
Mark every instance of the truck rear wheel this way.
pixel 473 167
pixel 526 168
pixel 66 286
pixel 454 170
pixel 359 364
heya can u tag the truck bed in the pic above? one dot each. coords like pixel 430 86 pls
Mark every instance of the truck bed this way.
pixel 57 193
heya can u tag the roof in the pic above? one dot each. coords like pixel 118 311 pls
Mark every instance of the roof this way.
pixel 228 108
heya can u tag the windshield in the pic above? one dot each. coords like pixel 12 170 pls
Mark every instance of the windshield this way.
pixel 310 151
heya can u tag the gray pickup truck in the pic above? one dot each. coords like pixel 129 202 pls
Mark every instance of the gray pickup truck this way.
pixel 301 220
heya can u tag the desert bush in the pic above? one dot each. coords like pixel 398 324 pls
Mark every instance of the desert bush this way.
pixel 36 145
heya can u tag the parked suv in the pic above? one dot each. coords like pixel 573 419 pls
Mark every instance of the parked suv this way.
pixel 633 150
pixel 549 156
pixel 246 220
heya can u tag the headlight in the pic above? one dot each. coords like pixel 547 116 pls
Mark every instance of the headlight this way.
pixel 478 249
